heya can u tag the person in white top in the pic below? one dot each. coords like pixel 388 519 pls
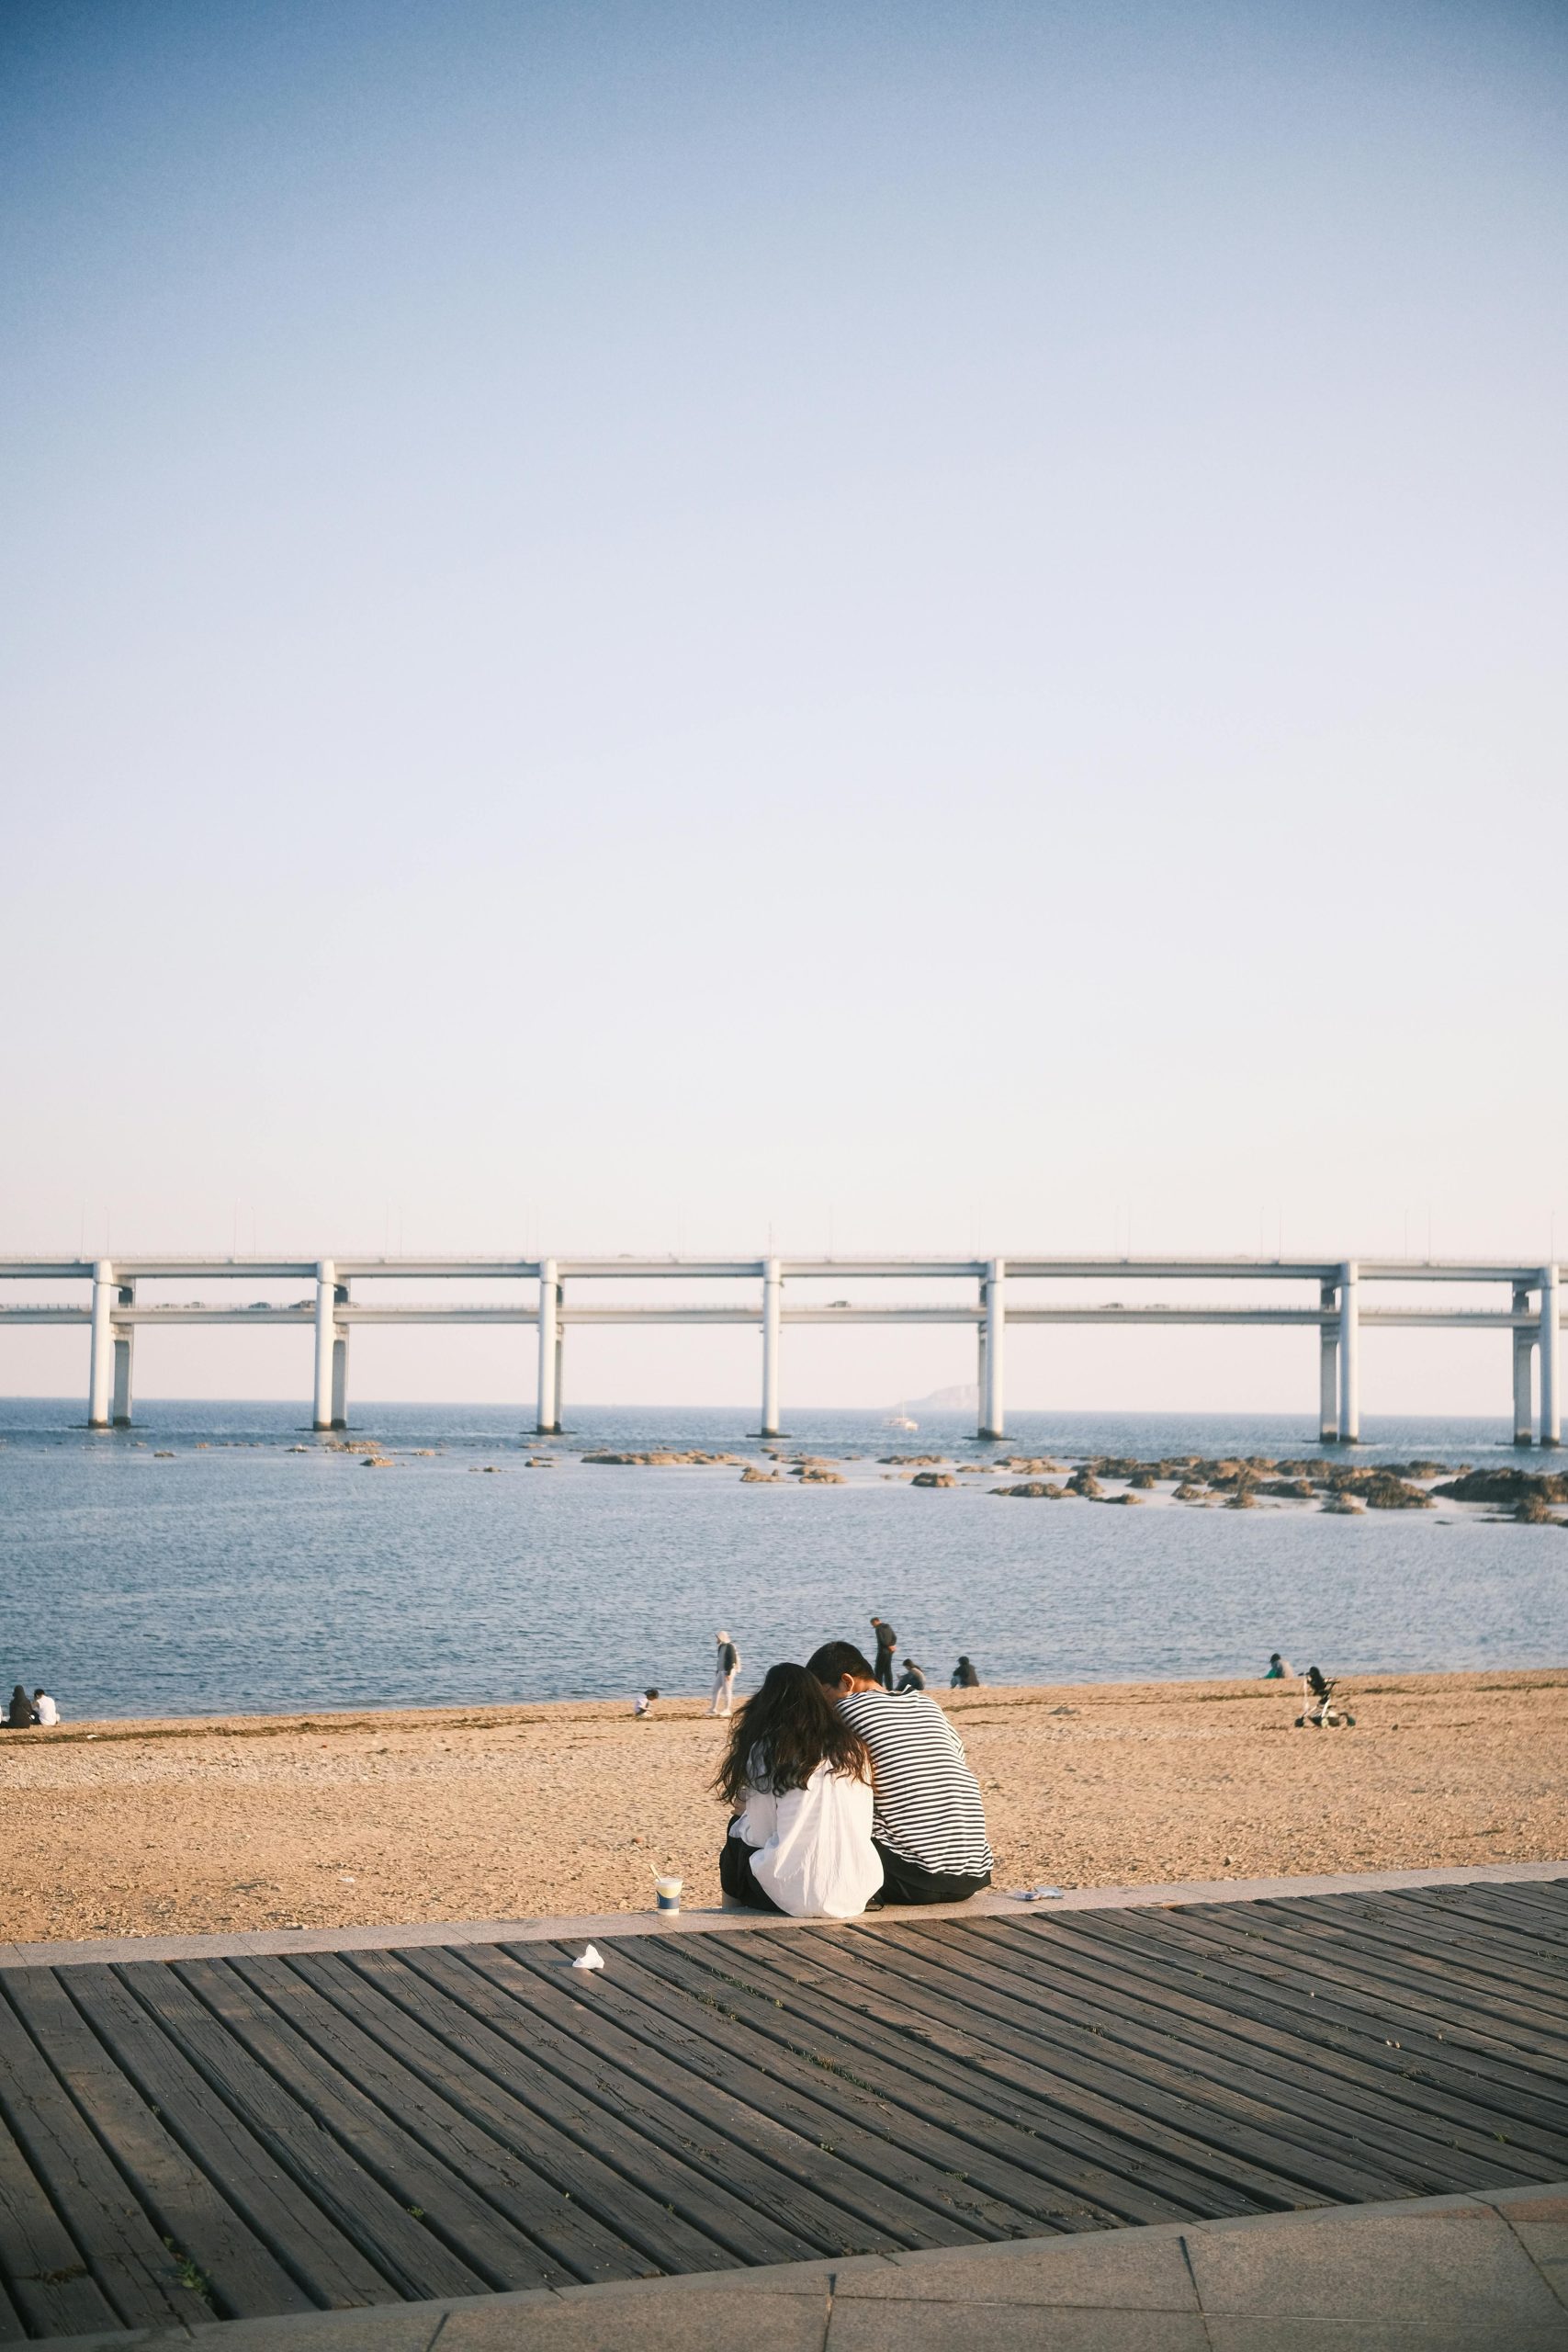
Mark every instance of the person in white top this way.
pixel 44 1709
pixel 798 1782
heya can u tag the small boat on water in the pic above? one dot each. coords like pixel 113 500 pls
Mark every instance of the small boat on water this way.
pixel 899 1421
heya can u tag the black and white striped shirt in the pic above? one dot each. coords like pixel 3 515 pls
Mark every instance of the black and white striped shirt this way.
pixel 928 1805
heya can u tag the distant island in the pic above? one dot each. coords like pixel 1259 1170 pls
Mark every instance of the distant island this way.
pixel 965 1399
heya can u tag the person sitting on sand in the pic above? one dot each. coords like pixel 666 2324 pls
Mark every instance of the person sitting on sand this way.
pixel 44 1709
pixel 643 1702
pixel 964 1677
pixel 912 1679
pixel 930 1824
pixel 1279 1670
pixel 798 1780
pixel 19 1714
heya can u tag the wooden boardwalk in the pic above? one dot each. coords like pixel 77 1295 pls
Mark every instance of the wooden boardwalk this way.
pixel 185 2140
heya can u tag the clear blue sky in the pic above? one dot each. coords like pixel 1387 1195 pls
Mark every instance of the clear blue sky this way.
pixel 625 625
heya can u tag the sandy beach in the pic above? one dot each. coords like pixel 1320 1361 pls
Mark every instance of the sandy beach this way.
pixel 119 1828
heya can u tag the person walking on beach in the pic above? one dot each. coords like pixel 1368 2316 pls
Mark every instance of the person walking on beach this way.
pixel 886 1642
pixel 929 1823
pixel 725 1666
pixel 798 1782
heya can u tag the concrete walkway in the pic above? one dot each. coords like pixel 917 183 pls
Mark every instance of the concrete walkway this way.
pixel 403 1937
pixel 1438 2274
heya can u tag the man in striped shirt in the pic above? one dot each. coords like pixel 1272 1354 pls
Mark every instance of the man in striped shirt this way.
pixel 928 1825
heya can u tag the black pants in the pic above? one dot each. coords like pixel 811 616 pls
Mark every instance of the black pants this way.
pixel 884 1669
pixel 735 1877
pixel 904 1882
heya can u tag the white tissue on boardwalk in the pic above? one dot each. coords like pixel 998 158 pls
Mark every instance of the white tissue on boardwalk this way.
pixel 1038 1894
pixel 591 1958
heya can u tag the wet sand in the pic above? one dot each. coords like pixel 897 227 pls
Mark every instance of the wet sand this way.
pixel 121 1828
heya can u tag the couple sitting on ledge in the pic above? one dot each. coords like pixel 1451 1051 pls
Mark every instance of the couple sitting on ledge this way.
pixel 847 1796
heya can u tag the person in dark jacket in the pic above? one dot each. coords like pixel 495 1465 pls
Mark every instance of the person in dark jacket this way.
pixel 886 1642
pixel 19 1715
pixel 964 1677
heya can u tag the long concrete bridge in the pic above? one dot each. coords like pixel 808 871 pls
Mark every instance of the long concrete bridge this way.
pixel 342 1295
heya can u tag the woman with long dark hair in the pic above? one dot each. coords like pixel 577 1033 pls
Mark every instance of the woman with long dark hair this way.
pixel 797 1781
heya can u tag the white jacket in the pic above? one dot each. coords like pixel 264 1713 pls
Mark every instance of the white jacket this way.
pixel 811 1848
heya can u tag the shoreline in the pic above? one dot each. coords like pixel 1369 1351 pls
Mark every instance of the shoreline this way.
pixel 690 1706
pixel 567 1807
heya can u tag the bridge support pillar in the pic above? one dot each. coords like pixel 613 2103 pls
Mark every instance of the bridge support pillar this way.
pixel 1550 1360
pixel 1524 1372
pixel 340 1369
pixel 1349 1353
pixel 124 1347
pixel 560 1354
pixel 546 1419
pixel 993 1415
pixel 326 1344
pixel 101 1368
pixel 773 1289
pixel 1328 1370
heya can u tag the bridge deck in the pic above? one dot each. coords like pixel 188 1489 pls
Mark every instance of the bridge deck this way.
pixel 268 2134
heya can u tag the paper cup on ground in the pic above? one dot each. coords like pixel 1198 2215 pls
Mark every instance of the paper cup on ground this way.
pixel 667 1893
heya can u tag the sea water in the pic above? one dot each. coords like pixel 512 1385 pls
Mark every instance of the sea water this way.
pixel 239 1575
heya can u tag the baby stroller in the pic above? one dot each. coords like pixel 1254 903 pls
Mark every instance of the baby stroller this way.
pixel 1318 1709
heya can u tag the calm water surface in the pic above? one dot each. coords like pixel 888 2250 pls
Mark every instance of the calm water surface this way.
pixel 248 1578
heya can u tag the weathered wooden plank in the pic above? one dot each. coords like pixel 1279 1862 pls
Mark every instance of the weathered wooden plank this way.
pixel 1339 2100
pixel 433 2192
pixel 637 2151
pixel 403 2249
pixel 39 2264
pixel 1383 2000
pixel 1154 2089
pixel 508 2183
pixel 243 2278
pixel 1530 1900
pixel 584 2232
pixel 941 2089
pixel 1323 2056
pixel 603 2075
pixel 1542 1941
pixel 137 2274
pixel 895 2045
pixel 1391 1990
pixel 1518 1964
pixel 331 2268
pixel 801 2134
pixel 855 2122
pixel 1281 1983
pixel 1408 1955
pixel 1429 1945
pixel 1054 2071
pixel 786 2045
